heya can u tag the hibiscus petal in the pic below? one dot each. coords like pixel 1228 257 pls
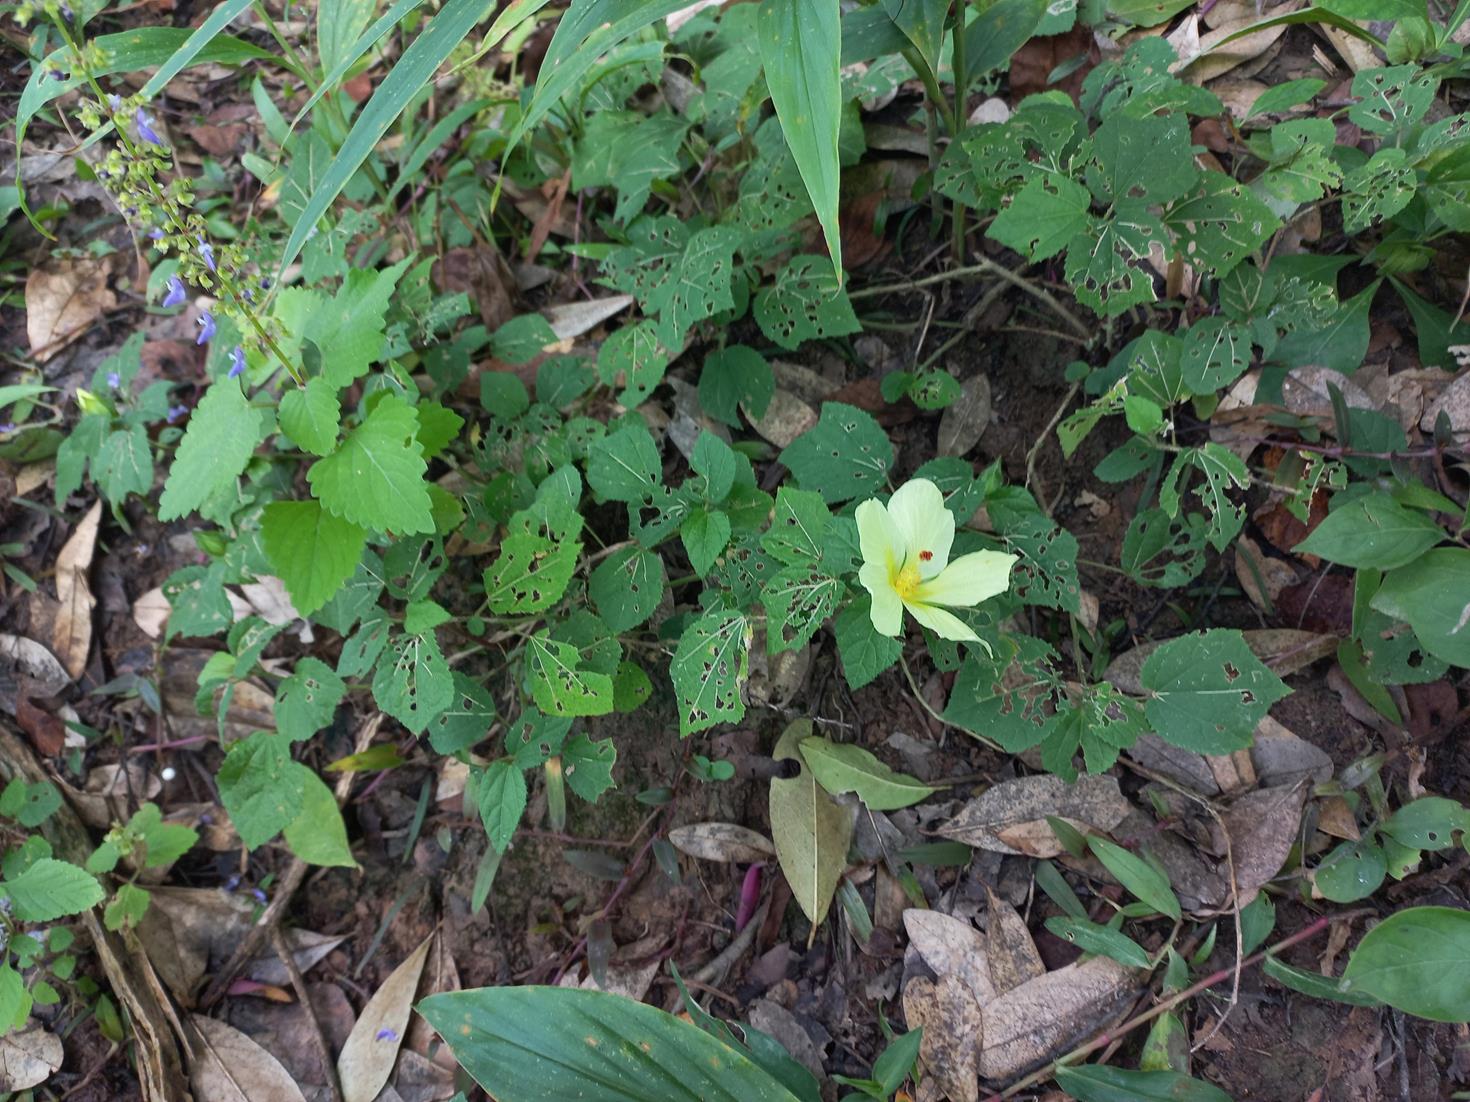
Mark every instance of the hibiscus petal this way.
pixel 887 612
pixel 969 580
pixel 917 509
pixel 946 625
pixel 878 537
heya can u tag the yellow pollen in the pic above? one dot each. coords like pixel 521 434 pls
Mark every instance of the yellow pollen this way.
pixel 907 581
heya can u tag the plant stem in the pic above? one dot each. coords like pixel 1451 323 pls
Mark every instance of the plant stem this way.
pixel 957 120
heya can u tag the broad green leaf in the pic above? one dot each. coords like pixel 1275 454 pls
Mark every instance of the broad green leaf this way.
pixel 50 889
pixel 1105 263
pixel 1378 190
pixel 1091 937
pixel 1432 595
pixel 1352 871
pixel 715 463
pixel 1391 99
pixel 348 330
pixel 628 151
pixel 376 477
pixel 1340 343
pixel 845 455
pixel 995 34
pixel 626 587
pixel 801 45
pixel 1314 984
pixel 15 1000
pixel 518 341
pixel 1430 822
pixel 1216 352
pixel 307 700
pixel 362 648
pixel 1043 217
pixel 922 23
pixel 413 683
pixel 805 302
pixel 699 286
pixel 560 685
pixel 198 604
pixel 1372 531
pixel 261 787
pixel 732 377
pixel 1139 159
pixel 531 572
pixel 708 668
pixel 310 550
pixel 1142 879
pixel 1046 571
pixel 843 767
pixel 219 441
pixel 338 25
pixel 408 75
pixel 798 601
pixel 863 652
pixel 587 764
pixel 311 415
pixel 1099 1083
pixel 812 831
pixel 1416 961
pixel 1285 96
pixel 624 466
pixel 1219 223
pixel 466 721
pixel 318 835
pixel 1207 691
pixel 1222 471
pixel 705 533
pixel 500 794
pixel 124 464
pixel 1011 696
pixel 548 1043
pixel 634 358
pixel 797 535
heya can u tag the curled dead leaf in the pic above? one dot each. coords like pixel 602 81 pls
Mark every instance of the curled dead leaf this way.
pixel 63 298
pixel 951 947
pixel 951 1018
pixel 1045 1016
pixel 727 842
pixel 1014 959
pixel 1093 801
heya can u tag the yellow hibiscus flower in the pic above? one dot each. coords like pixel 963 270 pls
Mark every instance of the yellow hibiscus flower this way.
pixel 906 563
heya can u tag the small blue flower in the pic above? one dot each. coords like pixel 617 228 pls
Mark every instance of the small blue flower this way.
pixel 260 896
pixel 144 122
pixel 387 1033
pixel 174 413
pixel 6 427
pixel 115 102
pixel 206 251
pixel 176 296
pixel 237 362
pixel 206 328
pixel 113 380
pixel 57 74
pixel 156 234
pixel 232 883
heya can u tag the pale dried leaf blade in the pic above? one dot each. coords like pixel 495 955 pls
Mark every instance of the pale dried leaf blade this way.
pixel 572 319
pixel 967 417
pixel 1044 1017
pixel 29 1058
pixel 1094 800
pixel 229 1067
pixel 952 1019
pixel 71 627
pixel 812 831
pixel 63 299
pixel 22 656
pixel 951 947
pixel 367 1059
pixel 150 612
pixel 1262 826
pixel 1014 959
pixel 727 842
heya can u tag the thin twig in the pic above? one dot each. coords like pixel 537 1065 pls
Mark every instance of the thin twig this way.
pixel 1045 433
pixel 298 983
pixel 732 952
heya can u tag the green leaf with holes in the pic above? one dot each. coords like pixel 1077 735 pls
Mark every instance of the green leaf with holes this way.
pixel 587 764
pixel 1378 190
pixel 1391 99
pixel 634 358
pixel 805 303
pixel 798 601
pixel 1216 352
pixel 699 286
pixel 708 669
pixel 626 587
pixel 412 682
pixel 307 700
pixel 531 572
pixel 624 466
pixel 560 685
pixel 798 527
pixel 628 151
pixel 845 455
pixel 1219 223
pixel 1207 691
pixel 1044 217
pixel 467 719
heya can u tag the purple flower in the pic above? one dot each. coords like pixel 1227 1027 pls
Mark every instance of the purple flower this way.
pixel 176 296
pixel 113 380
pixel 232 883
pixel 387 1033
pixel 144 121
pixel 156 234
pixel 115 102
pixel 237 362
pixel 174 413
pixel 206 328
pixel 57 74
pixel 206 251
pixel 260 896
pixel 5 427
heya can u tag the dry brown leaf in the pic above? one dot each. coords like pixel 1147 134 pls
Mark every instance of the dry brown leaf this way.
pixel 786 418
pixel 1336 818
pixel 1185 767
pixel 46 731
pixel 1358 54
pixel 572 319
pixel 965 421
pixel 1035 837
pixel 1215 57
pixel 1045 1016
pixel 951 1018
pixel 71 627
pixel 29 1058
pixel 951 947
pixel 1305 392
pixel 1013 956
pixel 1454 403
pixel 22 657
pixel 772 1018
pixel 1238 96
pixel 367 1059
pixel 1262 826
pixel 1280 757
pixel 229 1067
pixel 726 842
pixel 1233 772
pixel 1260 575
pixel 150 612
pixel 1093 800
pixel 629 980
pixel 63 299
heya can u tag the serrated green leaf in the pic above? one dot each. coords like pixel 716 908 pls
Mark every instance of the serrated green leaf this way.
pixel 1207 691
pixel 843 767
pixel 500 795
pixel 124 464
pixel 560 685
pixel 798 601
pixel 633 355
pixel 626 587
pixel 708 668
pixel 310 550
pixel 376 477
pixel 863 652
pixel 1044 217
pixel 412 682
pixel 587 764
pixel 531 573
pixel 311 415
pixel 348 330
pixel 466 720
pixel 219 441
pixel 307 700
pixel 705 533
pixel 1216 352
pixel 1373 531
pixel 50 889
pixel 798 527
pixel 732 377
pixel 845 455
pixel 261 787
pixel 804 303
pixel 318 835
pixel 198 604
pixel 624 466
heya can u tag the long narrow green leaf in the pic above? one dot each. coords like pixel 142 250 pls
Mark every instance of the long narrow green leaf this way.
pixel 368 39
pixel 801 44
pixel 435 138
pixel 1314 14
pixel 414 69
pixel 203 35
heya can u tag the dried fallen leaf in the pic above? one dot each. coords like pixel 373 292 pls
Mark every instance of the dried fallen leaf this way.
pixel 786 418
pixel 1045 1016
pixel 367 1058
pixel 229 1067
pixel 1094 801
pixel 726 842
pixel 63 298
pixel 1186 767
pixel 965 421
pixel 1214 57
pixel 1305 391
pixel 20 656
pixel 951 1018
pixel 1262 826
pixel 1261 576
pixel 28 1058
pixel 150 612
pixel 572 319
pixel 113 792
pixel 71 626
pixel 1280 757
pixel 951 947
pixel 772 1018
pixel 1013 956
pixel 45 730
pixel 270 601
pixel 1454 403
pixel 629 980
pixel 812 831
pixel 1335 818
